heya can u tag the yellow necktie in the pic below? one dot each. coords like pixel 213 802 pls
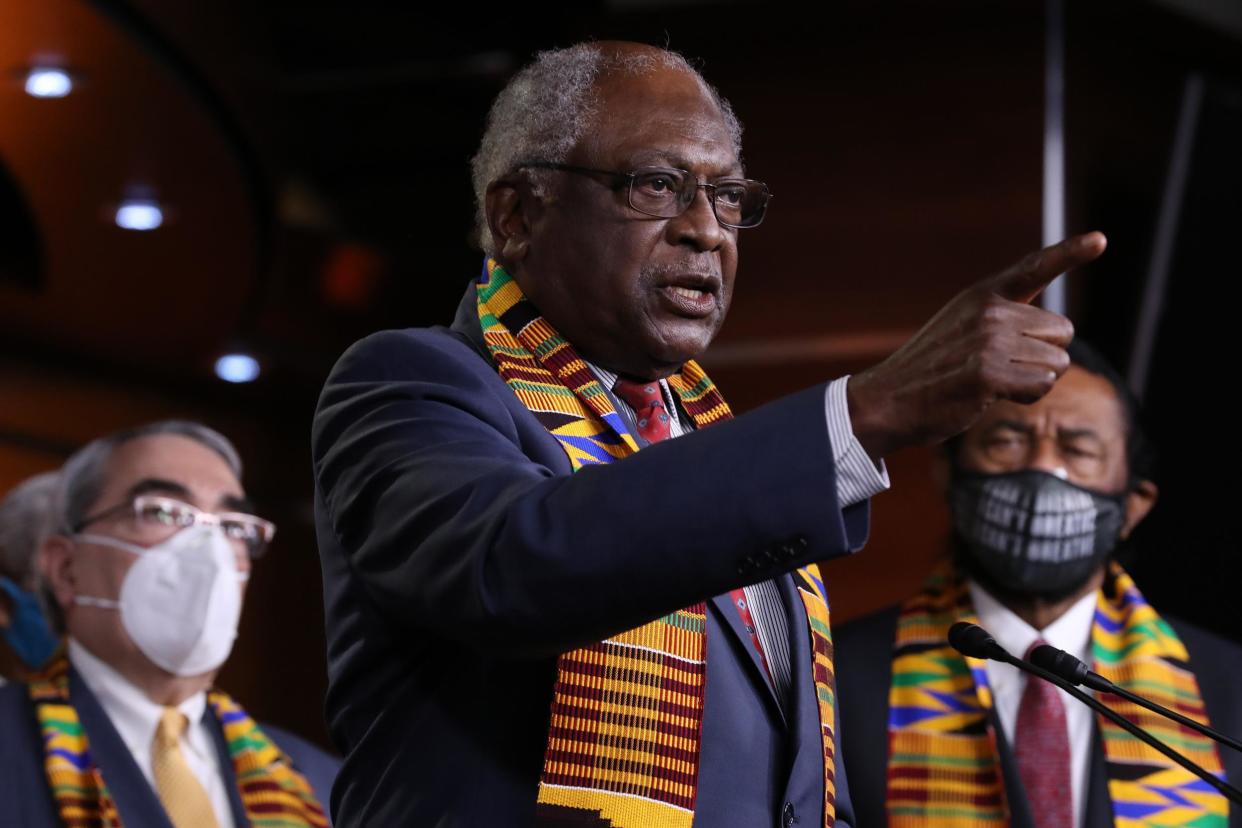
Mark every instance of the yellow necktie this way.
pixel 184 797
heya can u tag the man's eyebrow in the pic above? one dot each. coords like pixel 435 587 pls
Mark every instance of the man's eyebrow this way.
pixel 157 485
pixel 1012 425
pixel 665 158
pixel 1079 433
pixel 233 503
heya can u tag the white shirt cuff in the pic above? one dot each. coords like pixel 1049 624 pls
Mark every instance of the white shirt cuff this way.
pixel 858 478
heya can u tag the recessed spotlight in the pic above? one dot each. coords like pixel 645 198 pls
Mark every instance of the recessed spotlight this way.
pixel 237 368
pixel 139 214
pixel 48 83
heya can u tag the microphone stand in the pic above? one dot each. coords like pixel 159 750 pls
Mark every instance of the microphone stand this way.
pixel 1074 671
pixel 989 649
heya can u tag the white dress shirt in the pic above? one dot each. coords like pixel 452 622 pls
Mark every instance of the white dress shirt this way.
pixel 1072 633
pixel 136 719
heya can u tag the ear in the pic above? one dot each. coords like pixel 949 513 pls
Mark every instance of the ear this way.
pixel 1139 500
pixel 56 565
pixel 511 207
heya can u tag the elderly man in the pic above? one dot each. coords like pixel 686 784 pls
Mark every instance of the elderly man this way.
pixel 536 615
pixel 1040 495
pixel 28 641
pixel 151 545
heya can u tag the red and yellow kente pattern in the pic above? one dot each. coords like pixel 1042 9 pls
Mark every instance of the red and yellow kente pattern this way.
pixel 944 767
pixel 273 793
pixel 627 713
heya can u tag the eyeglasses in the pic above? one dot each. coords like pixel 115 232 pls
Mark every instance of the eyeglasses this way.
pixel 159 518
pixel 666 192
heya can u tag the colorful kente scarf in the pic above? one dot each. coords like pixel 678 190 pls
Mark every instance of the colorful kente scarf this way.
pixel 627 713
pixel 943 765
pixel 273 793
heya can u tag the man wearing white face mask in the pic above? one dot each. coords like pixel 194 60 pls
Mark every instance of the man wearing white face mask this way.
pixel 145 571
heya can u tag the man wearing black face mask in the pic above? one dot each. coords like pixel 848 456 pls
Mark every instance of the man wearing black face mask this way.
pixel 1040 496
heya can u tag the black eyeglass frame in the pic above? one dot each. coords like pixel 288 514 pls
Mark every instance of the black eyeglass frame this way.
pixel 633 175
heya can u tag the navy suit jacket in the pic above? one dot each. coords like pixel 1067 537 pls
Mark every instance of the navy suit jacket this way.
pixel 460 556
pixel 26 800
pixel 864 670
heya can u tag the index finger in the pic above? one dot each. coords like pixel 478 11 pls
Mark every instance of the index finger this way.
pixel 1025 280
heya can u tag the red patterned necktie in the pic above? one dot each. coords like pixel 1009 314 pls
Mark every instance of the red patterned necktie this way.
pixel 1041 745
pixel 648 403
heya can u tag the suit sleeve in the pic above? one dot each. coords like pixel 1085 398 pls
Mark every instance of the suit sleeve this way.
pixel 452 528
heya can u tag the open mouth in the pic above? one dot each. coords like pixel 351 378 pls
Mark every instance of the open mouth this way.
pixel 691 294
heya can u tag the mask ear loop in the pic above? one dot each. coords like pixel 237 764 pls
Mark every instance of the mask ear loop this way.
pixel 91 601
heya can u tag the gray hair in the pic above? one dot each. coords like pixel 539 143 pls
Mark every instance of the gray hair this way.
pixel 548 106
pixel 82 476
pixel 25 516
pixel 81 480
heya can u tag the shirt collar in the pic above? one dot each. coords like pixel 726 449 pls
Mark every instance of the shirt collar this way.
pixel 1071 632
pixel 609 378
pixel 133 714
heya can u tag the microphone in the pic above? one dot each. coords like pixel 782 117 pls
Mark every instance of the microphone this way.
pixel 977 642
pixel 1075 672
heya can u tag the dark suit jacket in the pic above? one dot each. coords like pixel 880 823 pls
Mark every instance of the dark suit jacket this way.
pixel 26 800
pixel 864 671
pixel 460 556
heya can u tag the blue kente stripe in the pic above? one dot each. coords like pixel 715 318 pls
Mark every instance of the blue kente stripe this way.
pixel 956 702
pixel 818 583
pixel 1107 623
pixel 1199 786
pixel 1172 795
pixel 617 425
pixel 587 446
pixel 234 716
pixel 81 761
pixel 1136 810
pixel 904 716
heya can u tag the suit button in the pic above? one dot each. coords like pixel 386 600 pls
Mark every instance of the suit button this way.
pixel 788 817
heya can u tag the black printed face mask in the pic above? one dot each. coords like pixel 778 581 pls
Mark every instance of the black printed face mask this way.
pixel 1030 532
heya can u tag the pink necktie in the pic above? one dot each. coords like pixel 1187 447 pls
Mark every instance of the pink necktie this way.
pixel 1041 745
pixel 648 403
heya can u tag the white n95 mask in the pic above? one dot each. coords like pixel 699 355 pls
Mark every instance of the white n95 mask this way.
pixel 181 600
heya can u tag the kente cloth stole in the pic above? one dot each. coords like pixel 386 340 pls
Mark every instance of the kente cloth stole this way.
pixel 273 793
pixel 627 713
pixel 943 765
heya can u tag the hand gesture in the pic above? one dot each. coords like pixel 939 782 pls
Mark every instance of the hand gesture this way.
pixel 988 343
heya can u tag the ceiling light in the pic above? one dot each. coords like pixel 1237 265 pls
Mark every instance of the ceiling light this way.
pixel 48 83
pixel 139 214
pixel 237 368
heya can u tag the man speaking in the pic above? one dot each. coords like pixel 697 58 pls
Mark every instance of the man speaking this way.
pixel 535 615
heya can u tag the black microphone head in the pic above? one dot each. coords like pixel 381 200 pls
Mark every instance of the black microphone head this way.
pixel 1058 662
pixel 974 641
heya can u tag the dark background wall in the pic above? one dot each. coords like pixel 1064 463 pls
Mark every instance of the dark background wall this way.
pixel 315 164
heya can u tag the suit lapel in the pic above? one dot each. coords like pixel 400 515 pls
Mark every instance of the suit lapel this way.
pixel 1099 811
pixel 1015 794
pixel 803 696
pixel 135 799
pixel 732 621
